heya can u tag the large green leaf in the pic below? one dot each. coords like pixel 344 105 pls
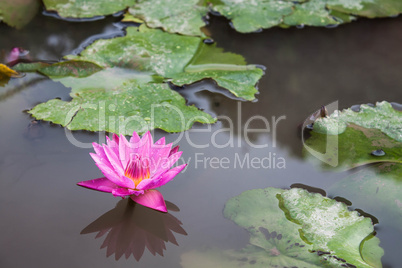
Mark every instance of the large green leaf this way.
pixel 86 8
pixel 18 13
pixel 378 188
pixel 249 16
pixel 354 137
pixel 141 63
pixel 293 228
pixel 330 227
pixel 174 16
pixel 130 107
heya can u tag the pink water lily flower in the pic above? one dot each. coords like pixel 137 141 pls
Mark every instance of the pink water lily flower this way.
pixel 135 168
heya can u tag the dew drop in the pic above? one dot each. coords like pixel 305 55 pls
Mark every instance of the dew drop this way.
pixel 208 41
pixel 379 152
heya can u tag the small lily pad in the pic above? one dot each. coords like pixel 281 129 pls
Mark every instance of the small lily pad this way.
pixel 351 137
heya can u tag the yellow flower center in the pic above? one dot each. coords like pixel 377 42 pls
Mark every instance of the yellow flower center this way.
pixel 137 169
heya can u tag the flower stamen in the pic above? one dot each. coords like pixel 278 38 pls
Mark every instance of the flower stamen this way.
pixel 137 169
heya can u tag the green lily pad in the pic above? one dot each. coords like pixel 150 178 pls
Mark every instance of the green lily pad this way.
pixel 174 16
pixel 18 13
pixel 180 59
pixel 367 8
pixel 270 232
pixel 313 13
pixel 293 239
pixel 354 138
pixel 330 227
pixel 378 188
pixel 131 107
pixel 142 62
pixel 250 16
pixel 382 117
pixel 86 8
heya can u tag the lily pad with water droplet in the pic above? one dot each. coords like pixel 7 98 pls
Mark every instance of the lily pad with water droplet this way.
pixel 353 136
pixel 145 57
pixel 330 227
pixel 250 16
pixel 174 16
pixel 86 8
pixel 123 110
pixel 279 240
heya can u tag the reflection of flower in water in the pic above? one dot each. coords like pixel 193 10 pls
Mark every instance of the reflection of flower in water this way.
pixel 131 227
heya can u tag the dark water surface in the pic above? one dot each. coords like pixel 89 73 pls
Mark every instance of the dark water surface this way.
pixel 43 211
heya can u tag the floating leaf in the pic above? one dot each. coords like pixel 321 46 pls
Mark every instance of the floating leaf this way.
pixel 360 135
pixel 174 16
pixel 293 239
pixel 270 232
pixel 250 16
pixel 383 117
pixel 368 8
pixel 378 188
pixel 131 107
pixel 330 227
pixel 86 8
pixel 18 13
pixel 145 59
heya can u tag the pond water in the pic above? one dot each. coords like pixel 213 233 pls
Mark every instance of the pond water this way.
pixel 44 212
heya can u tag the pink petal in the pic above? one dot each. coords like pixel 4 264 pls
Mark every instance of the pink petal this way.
pixel 111 175
pixel 125 192
pixel 145 145
pixel 114 160
pixel 124 151
pixel 166 165
pixel 159 156
pixel 174 150
pixel 101 184
pixel 135 138
pixel 152 199
pixel 162 180
pixel 169 175
pixel 161 141
pixel 99 150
